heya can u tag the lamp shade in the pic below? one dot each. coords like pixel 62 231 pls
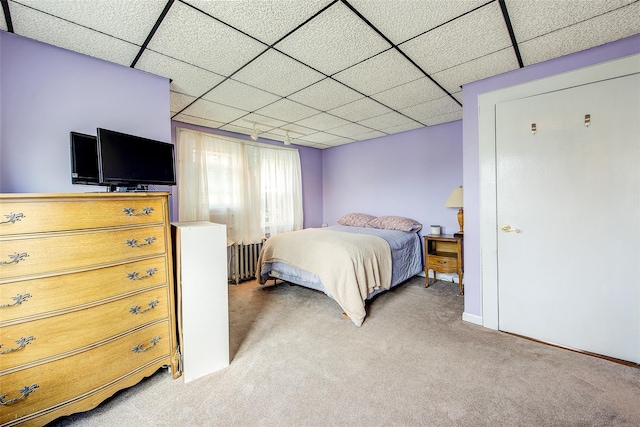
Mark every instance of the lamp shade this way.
pixel 455 198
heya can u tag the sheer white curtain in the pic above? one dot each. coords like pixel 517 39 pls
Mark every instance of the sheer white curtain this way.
pixel 256 190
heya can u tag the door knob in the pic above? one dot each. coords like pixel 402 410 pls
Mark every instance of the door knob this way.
pixel 508 229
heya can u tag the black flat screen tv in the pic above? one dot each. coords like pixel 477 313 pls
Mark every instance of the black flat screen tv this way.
pixel 84 159
pixel 134 162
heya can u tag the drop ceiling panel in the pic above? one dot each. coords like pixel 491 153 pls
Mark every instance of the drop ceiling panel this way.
pixel 408 94
pixel 360 110
pixel 128 20
pixel 399 22
pixel 185 118
pixel 423 112
pixel 288 111
pixel 263 123
pixel 322 121
pixel 278 74
pixel 385 120
pixel 444 118
pixel 240 95
pixel 594 32
pixel 325 95
pixel 40 26
pixel 194 37
pixel 351 130
pixel 529 20
pixel 296 130
pixel 268 21
pixel 179 101
pixel 369 134
pixel 466 38
pixel 3 22
pixel 333 41
pixel 486 66
pixel 186 78
pixel 402 128
pixel 213 111
pixel 384 71
pixel 321 138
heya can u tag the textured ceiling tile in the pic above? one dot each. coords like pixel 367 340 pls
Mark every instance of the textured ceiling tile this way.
pixel 322 121
pixel 278 74
pixel 297 130
pixel 469 37
pixel 240 95
pixel 423 112
pixel 612 26
pixel 179 101
pixel 319 137
pixel 444 118
pixel 45 28
pixel 400 21
pixel 212 111
pixel 349 130
pixel 325 95
pixel 338 141
pixel 408 94
pixel 185 118
pixel 360 110
pixel 262 123
pixel 287 111
pixel 333 41
pixel 532 19
pixel 385 120
pixel 368 135
pixel 194 37
pixel 382 72
pixel 186 78
pixel 268 21
pixel 125 19
pixel 486 66
pixel 403 127
pixel 3 22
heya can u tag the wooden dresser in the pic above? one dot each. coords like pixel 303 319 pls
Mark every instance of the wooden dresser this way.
pixel 86 300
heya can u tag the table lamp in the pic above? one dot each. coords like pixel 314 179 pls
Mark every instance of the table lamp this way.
pixel 455 201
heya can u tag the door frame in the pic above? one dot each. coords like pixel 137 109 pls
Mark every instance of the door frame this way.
pixel 487 156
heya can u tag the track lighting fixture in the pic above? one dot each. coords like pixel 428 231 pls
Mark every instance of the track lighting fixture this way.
pixel 254 133
pixel 287 141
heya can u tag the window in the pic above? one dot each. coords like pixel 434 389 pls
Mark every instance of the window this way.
pixel 255 189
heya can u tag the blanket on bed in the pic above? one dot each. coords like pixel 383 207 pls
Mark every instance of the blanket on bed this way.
pixel 350 265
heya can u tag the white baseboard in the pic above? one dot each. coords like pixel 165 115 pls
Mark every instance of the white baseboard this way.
pixel 472 318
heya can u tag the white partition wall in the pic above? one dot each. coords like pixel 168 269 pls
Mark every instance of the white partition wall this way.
pixel 202 296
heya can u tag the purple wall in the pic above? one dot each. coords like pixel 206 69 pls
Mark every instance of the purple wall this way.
pixel 472 268
pixel 310 163
pixel 46 92
pixel 408 174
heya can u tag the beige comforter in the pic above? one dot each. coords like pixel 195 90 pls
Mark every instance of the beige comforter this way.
pixel 350 266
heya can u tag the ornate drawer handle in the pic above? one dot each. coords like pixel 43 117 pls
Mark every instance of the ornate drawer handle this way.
pixel 13 217
pixel 134 275
pixel 138 348
pixel 131 211
pixel 24 391
pixel 138 310
pixel 18 299
pixel 15 258
pixel 22 343
pixel 134 243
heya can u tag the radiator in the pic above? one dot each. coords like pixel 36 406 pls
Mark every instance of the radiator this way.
pixel 242 261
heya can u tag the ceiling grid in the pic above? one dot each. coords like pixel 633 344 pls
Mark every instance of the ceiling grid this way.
pixel 321 72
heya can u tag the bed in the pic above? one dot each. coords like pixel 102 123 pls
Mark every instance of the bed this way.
pixel 350 262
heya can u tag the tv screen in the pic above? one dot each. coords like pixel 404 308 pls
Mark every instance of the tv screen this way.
pixel 132 161
pixel 84 159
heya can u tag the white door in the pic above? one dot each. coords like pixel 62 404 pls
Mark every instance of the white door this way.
pixel 571 275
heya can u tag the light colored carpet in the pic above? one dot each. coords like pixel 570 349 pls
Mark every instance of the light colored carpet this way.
pixel 414 362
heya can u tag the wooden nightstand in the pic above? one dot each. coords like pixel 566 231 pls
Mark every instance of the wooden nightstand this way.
pixel 443 254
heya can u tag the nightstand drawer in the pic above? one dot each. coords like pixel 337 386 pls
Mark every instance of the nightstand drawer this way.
pixel 442 261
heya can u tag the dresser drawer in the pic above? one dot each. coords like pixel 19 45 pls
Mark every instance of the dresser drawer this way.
pixel 40 215
pixel 41 339
pixel 58 382
pixel 39 297
pixel 57 253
